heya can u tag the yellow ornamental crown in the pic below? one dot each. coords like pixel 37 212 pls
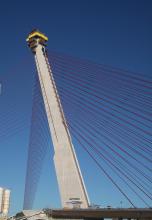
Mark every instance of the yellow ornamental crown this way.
pixel 36 34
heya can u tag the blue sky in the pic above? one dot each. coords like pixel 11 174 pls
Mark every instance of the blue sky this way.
pixel 116 32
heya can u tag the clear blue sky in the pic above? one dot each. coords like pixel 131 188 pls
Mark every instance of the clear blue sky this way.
pixel 117 32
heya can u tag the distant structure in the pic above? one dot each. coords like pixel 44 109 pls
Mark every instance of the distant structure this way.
pixel 4 201
pixel 71 185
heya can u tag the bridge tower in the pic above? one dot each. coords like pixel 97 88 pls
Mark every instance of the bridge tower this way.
pixel 71 185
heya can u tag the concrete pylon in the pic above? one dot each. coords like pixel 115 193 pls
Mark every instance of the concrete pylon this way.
pixel 71 185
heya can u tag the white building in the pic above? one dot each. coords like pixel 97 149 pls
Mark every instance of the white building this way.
pixel 4 201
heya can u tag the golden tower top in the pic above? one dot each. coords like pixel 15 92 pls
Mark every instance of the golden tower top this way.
pixel 36 34
pixel 35 38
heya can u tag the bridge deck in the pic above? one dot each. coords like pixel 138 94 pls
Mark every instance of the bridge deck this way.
pixel 100 213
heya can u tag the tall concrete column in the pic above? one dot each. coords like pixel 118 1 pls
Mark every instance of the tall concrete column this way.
pixel 70 181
